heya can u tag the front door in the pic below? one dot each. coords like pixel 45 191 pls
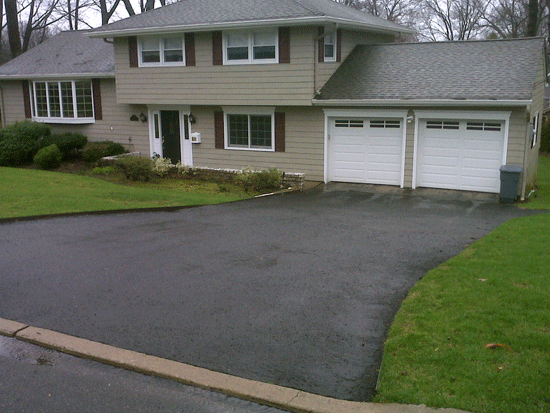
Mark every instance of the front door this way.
pixel 171 138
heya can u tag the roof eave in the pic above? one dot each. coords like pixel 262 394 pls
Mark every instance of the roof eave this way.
pixel 424 102
pixel 249 24
pixel 35 76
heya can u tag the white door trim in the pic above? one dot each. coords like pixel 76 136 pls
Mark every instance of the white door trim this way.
pixel 462 115
pixel 365 113
pixel 184 110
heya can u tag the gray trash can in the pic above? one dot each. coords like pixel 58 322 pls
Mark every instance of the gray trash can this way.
pixel 509 181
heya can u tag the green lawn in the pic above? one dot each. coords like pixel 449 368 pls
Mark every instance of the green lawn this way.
pixel 27 192
pixel 542 198
pixel 497 291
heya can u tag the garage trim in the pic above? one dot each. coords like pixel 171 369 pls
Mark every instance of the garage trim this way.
pixel 462 115
pixel 372 113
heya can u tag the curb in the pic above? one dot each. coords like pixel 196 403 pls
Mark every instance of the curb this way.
pixel 263 393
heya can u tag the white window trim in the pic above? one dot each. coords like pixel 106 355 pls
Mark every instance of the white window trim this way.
pixel 250 111
pixel 67 120
pixel 334 35
pixel 461 115
pixel 535 130
pixel 160 40
pixel 251 60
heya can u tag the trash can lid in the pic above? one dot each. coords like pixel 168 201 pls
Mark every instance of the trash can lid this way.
pixel 511 168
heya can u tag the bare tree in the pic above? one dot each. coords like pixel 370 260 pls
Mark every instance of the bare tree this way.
pixel 517 18
pixel 452 19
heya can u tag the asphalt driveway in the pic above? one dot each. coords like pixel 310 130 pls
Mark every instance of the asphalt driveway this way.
pixel 297 290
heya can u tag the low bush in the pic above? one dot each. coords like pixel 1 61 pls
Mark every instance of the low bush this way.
pixel 48 157
pixel 260 180
pixel 68 143
pixel 104 170
pixel 162 166
pixel 21 141
pixel 94 151
pixel 545 138
pixel 136 168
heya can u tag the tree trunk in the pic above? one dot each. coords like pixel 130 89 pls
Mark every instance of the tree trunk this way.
pixel 532 18
pixel 13 27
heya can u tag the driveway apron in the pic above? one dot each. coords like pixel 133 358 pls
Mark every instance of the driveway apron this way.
pixel 297 290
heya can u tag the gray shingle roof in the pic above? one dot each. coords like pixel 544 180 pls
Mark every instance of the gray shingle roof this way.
pixel 194 14
pixel 68 53
pixel 474 70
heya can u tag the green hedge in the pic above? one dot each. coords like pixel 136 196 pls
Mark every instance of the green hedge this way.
pixel 136 168
pixel 68 143
pixel 48 157
pixel 20 142
pixel 94 151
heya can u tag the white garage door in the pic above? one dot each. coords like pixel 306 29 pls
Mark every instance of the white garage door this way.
pixel 365 150
pixel 460 154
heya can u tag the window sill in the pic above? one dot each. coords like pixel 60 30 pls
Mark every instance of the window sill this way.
pixel 235 148
pixel 71 121
pixel 173 64
pixel 250 62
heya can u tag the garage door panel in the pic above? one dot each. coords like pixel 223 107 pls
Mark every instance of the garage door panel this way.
pixel 377 149
pixel 460 158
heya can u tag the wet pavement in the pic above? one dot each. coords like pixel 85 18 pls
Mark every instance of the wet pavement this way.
pixel 39 380
pixel 297 290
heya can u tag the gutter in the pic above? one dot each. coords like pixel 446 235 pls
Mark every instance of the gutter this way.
pixel 421 102
pixel 63 76
pixel 202 27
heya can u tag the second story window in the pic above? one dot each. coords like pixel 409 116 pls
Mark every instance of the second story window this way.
pixel 155 51
pixel 250 47
pixel 330 47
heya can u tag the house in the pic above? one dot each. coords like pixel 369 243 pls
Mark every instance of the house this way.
pixel 307 86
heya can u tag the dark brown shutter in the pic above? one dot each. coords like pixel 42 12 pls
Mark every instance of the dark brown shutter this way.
pixel 284 45
pixel 218 130
pixel 279 131
pixel 321 48
pixel 27 99
pixel 217 49
pixel 133 51
pixel 96 91
pixel 189 49
pixel 339 45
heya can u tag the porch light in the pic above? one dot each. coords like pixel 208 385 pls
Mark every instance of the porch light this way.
pixel 192 119
pixel 142 117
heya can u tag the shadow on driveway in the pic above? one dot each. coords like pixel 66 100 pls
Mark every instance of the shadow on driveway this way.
pixel 297 290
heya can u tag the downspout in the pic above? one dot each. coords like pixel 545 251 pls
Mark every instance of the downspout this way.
pixel 2 113
pixel 525 149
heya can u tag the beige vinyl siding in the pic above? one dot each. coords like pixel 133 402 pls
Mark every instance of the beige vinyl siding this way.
pixel 13 107
pixel 304 130
pixel 409 154
pixel 350 39
pixel 531 156
pixel 206 84
pixel 115 126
